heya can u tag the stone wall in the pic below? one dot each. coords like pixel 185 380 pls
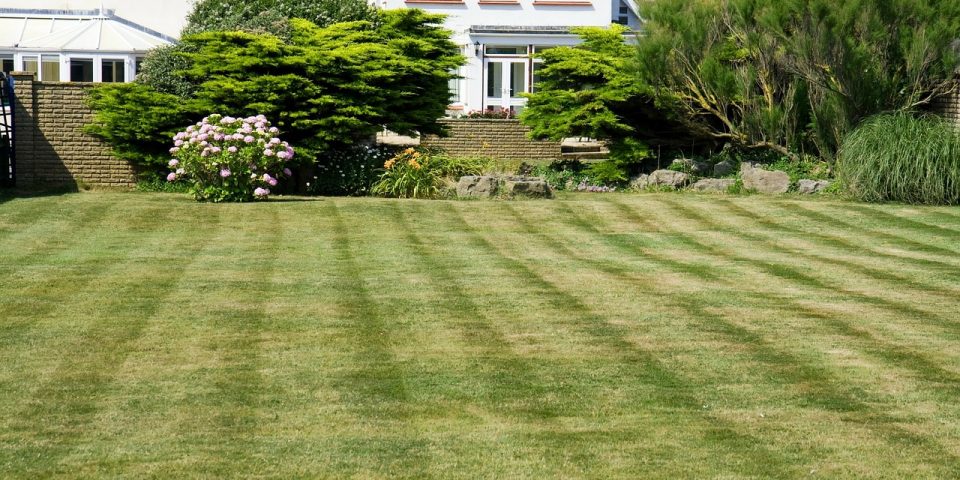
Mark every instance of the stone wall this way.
pixel 949 106
pixel 501 139
pixel 52 149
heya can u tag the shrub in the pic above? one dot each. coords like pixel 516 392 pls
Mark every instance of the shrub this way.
pixel 904 158
pixel 226 159
pixel 415 173
pixel 351 170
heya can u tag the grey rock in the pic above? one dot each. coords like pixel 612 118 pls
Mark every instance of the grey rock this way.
pixel 527 186
pixel 764 181
pixel 810 187
pixel 692 166
pixel 668 178
pixel 640 182
pixel 723 169
pixel 477 186
pixel 714 185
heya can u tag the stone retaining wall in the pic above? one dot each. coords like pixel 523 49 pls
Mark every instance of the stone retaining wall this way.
pixel 501 139
pixel 52 149
pixel 949 106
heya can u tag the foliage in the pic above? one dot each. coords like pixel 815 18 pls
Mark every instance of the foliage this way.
pixel 794 76
pixel 226 159
pixel 591 91
pixel 562 175
pixel 608 172
pixel 900 157
pixel 501 114
pixel 271 16
pixel 160 70
pixel 326 88
pixel 417 173
pixel 137 121
pixel 349 171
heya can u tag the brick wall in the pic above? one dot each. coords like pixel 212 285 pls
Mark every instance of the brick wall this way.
pixel 502 139
pixel 52 149
pixel 949 106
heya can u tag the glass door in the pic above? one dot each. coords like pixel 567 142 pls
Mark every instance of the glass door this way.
pixel 505 80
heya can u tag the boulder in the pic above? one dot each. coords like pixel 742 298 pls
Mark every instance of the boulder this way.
pixel 477 186
pixel 527 186
pixel 714 185
pixel 809 187
pixel 640 182
pixel 668 178
pixel 764 181
pixel 723 169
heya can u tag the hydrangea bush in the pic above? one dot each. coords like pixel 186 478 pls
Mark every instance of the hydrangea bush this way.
pixel 227 159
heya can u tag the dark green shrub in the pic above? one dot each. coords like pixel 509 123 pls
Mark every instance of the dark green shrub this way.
pixel 904 158
pixel 351 170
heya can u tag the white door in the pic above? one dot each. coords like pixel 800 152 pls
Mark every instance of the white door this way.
pixel 505 80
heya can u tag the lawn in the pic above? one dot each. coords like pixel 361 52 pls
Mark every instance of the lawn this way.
pixel 631 336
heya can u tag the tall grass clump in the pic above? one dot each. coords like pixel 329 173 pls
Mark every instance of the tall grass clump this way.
pixel 902 157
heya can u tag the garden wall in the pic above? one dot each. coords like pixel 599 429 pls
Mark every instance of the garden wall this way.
pixel 492 138
pixel 949 106
pixel 52 149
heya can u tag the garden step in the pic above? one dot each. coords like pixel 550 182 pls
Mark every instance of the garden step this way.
pixel 584 156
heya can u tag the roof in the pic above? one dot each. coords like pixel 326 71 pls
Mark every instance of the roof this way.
pixel 74 30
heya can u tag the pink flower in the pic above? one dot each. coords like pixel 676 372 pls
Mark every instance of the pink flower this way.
pixel 173 163
pixel 266 177
pixel 215 149
pixel 268 152
pixel 272 182
pixel 226 120
pixel 205 152
pixel 282 155
pixel 274 130
pixel 174 150
pixel 274 141
pixel 261 192
pixel 225 172
pixel 286 171
pixel 171 177
pixel 248 139
pixel 178 143
pixel 232 149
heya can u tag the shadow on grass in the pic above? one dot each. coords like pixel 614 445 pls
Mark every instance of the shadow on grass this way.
pixel 7 194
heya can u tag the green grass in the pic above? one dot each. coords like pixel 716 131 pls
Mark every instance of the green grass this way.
pixel 632 336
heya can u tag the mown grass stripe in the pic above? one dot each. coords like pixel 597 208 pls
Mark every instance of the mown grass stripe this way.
pixel 511 378
pixel 60 413
pixel 901 222
pixel 755 457
pixel 795 275
pixel 378 380
pixel 906 243
pixel 822 389
pixel 843 244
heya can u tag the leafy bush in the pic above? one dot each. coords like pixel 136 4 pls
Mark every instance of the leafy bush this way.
pixel 794 76
pixel 351 170
pixel 325 88
pixel 415 173
pixel 900 157
pixel 226 159
pixel 562 174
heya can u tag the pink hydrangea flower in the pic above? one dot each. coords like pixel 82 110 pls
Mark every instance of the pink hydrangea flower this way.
pixel 171 177
pixel 232 149
pixel 225 172
pixel 174 150
pixel 282 155
pixel 272 182
pixel 268 153
pixel 286 171
pixel 261 192
pixel 248 139
pixel 173 163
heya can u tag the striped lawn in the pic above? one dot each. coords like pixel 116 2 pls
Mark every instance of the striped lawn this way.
pixel 631 336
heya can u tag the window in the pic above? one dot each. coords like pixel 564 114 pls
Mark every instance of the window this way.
pixel 623 18
pixel 81 69
pixel 50 68
pixel 112 70
pixel 542 48
pixel 138 66
pixel 505 50
pixel 537 66
pixel 30 64
pixel 454 90
pixel 6 63
pixel 518 79
pixel 495 80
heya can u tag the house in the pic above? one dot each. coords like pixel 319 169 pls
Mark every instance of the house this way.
pixel 501 37
pixel 75 45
